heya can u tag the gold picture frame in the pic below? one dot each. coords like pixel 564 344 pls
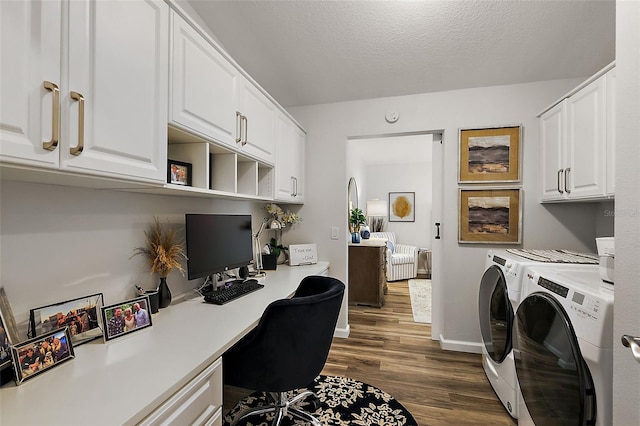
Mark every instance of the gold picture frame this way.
pixel 490 154
pixel 490 216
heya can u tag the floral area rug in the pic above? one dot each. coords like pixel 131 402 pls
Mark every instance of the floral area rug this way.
pixel 343 402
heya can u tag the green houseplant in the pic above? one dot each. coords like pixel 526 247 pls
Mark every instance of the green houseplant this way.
pixel 357 219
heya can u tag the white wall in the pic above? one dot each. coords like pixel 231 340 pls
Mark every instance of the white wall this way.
pixel 329 127
pixel 59 243
pixel 405 178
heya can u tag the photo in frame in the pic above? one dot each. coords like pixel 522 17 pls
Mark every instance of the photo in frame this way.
pixel 5 346
pixel 402 207
pixel 179 173
pixel 81 315
pixel 490 155
pixel 490 215
pixel 126 317
pixel 37 355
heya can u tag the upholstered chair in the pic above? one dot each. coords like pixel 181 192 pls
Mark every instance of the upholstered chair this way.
pixel 402 259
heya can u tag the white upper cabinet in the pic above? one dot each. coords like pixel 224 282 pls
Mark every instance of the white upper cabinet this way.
pixel 204 86
pixel 576 144
pixel 118 73
pixel 290 161
pixel 611 132
pixel 29 111
pixel 257 123
pixel 104 111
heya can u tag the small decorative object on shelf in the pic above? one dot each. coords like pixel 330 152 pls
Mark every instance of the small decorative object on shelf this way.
pixel 163 253
pixel 356 220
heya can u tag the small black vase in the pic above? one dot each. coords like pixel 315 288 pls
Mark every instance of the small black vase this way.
pixel 164 293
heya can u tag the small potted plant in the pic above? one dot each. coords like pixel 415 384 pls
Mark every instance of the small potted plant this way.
pixel 356 220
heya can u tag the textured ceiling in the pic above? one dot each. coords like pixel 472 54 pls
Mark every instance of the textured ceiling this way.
pixel 311 52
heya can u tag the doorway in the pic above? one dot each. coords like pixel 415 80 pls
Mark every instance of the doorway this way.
pixel 406 163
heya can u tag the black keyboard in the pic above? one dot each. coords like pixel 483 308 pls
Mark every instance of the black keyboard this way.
pixel 235 290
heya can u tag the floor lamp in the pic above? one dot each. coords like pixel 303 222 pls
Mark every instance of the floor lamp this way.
pixel 376 212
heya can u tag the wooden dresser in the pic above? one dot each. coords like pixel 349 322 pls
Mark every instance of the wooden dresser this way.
pixel 367 273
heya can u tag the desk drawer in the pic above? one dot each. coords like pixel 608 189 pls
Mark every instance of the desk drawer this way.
pixel 199 402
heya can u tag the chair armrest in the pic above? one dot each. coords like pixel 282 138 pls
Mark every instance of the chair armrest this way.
pixel 405 249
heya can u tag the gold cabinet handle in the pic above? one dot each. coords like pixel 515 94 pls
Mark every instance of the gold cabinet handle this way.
pixel 238 127
pixel 52 144
pixel 78 148
pixel 566 179
pixel 246 131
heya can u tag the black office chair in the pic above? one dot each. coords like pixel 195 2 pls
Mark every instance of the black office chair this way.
pixel 288 348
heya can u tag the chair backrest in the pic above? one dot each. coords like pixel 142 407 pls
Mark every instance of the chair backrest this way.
pixel 391 236
pixel 289 346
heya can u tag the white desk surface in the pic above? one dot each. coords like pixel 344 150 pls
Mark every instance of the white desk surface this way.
pixel 124 380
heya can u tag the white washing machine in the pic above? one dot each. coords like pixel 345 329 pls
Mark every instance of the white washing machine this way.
pixel 563 348
pixel 499 296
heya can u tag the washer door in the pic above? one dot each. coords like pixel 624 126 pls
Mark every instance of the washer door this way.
pixel 555 381
pixel 496 314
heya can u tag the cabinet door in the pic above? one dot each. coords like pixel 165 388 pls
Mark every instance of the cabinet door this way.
pixel 586 149
pixel 30 42
pixel 611 132
pixel 552 128
pixel 259 123
pixel 284 172
pixel 204 86
pixel 298 165
pixel 116 103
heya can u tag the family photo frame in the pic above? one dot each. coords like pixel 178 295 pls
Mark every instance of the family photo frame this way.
pixel 38 355
pixel 490 155
pixel 490 215
pixel 81 315
pixel 126 317
pixel 179 173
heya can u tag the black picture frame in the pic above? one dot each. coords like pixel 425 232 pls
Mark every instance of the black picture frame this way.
pixel 115 329
pixel 48 350
pixel 81 315
pixel 179 173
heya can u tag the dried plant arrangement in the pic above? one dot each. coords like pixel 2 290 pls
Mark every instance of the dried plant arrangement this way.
pixel 162 250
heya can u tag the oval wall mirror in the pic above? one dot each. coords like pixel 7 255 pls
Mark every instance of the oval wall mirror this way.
pixel 353 197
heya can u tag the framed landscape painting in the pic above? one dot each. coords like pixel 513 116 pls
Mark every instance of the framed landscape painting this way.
pixel 490 155
pixel 490 216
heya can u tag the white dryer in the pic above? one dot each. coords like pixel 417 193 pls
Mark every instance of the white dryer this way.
pixel 499 297
pixel 563 348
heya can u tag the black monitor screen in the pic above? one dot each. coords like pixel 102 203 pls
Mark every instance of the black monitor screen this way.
pixel 216 243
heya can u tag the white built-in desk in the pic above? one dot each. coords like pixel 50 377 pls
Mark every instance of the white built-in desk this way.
pixel 127 379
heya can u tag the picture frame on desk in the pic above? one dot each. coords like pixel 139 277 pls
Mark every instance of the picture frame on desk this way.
pixel 81 315
pixel 114 317
pixel 38 355
pixel 8 331
pixel 179 173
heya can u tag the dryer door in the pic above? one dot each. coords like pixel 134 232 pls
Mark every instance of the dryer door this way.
pixel 496 314
pixel 555 381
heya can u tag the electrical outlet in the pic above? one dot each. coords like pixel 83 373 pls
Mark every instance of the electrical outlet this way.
pixel 334 232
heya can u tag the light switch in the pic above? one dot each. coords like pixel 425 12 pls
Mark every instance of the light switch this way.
pixel 334 232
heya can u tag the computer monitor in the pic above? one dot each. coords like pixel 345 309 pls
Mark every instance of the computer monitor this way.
pixel 217 243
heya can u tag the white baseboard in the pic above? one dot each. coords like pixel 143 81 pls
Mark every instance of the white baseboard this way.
pixel 342 332
pixel 460 346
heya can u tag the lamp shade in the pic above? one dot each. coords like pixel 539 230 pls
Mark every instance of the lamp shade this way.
pixel 376 208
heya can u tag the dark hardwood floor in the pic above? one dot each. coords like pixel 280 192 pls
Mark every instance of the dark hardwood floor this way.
pixel 388 350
